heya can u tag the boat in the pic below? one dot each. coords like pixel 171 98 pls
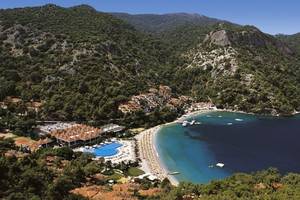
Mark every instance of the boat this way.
pixel 198 123
pixel 221 165
pixel 239 120
pixel 192 122
pixel 173 173
pixel 229 123
pixel 184 123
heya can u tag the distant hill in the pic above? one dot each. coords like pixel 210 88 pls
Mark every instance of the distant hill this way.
pixel 292 40
pixel 154 23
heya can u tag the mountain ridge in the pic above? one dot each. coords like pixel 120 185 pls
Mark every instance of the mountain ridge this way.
pixel 158 23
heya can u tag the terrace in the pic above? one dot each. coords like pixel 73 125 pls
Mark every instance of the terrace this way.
pixel 112 128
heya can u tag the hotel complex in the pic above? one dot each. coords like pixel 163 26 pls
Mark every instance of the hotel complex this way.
pixel 73 134
pixel 77 134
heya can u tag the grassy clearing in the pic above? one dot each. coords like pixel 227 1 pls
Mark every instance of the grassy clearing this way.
pixel 133 171
pixel 116 176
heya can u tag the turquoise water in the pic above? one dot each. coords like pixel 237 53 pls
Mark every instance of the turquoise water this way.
pixel 244 143
pixel 106 149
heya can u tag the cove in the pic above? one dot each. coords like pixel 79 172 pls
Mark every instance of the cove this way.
pixel 244 143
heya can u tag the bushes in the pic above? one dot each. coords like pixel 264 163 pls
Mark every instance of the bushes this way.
pixel 31 177
pixel 268 184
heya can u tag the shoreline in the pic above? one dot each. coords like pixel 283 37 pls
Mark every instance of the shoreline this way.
pixel 151 163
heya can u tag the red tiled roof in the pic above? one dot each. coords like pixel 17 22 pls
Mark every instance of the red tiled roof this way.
pixel 76 133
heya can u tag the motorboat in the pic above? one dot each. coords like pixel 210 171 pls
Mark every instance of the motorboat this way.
pixel 221 165
pixel 185 123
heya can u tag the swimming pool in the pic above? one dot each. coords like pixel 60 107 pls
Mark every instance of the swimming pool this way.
pixel 105 150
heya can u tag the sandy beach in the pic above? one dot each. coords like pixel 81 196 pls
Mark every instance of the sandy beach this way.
pixel 150 161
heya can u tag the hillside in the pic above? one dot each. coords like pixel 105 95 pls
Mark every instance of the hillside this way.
pixel 81 64
pixel 236 67
pixel 292 40
pixel 78 61
pixel 155 24
pixel 242 68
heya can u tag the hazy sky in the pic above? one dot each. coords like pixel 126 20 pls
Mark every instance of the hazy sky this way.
pixel 271 16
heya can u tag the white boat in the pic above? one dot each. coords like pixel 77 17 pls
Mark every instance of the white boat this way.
pixel 184 123
pixel 229 123
pixel 173 173
pixel 221 165
pixel 192 122
pixel 239 120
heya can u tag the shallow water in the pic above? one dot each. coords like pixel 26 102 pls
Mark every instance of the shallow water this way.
pixel 244 143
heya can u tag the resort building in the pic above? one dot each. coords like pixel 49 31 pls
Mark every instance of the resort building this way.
pixel 77 134
pixel 200 106
pixel 112 128
pixel 47 129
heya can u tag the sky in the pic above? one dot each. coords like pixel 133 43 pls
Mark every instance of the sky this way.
pixel 271 16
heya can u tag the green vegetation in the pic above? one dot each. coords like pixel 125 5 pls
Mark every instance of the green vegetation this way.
pixel 116 176
pixel 157 24
pixel 267 184
pixel 21 125
pixel 292 40
pixel 266 79
pixel 31 178
pixel 52 173
pixel 79 62
pixel 133 171
pixel 82 64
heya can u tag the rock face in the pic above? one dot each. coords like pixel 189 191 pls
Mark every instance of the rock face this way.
pixel 220 49
pixel 250 37
pixel 219 38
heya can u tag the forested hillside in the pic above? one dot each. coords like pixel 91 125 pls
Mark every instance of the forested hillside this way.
pixel 238 67
pixel 80 62
pixel 292 40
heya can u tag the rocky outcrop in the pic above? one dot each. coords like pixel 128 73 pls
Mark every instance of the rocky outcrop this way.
pixel 247 37
pixel 219 38
pixel 219 61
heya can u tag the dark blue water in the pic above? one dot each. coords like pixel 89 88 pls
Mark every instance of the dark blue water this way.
pixel 249 144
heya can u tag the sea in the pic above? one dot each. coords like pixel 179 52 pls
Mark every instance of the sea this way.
pixel 242 142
